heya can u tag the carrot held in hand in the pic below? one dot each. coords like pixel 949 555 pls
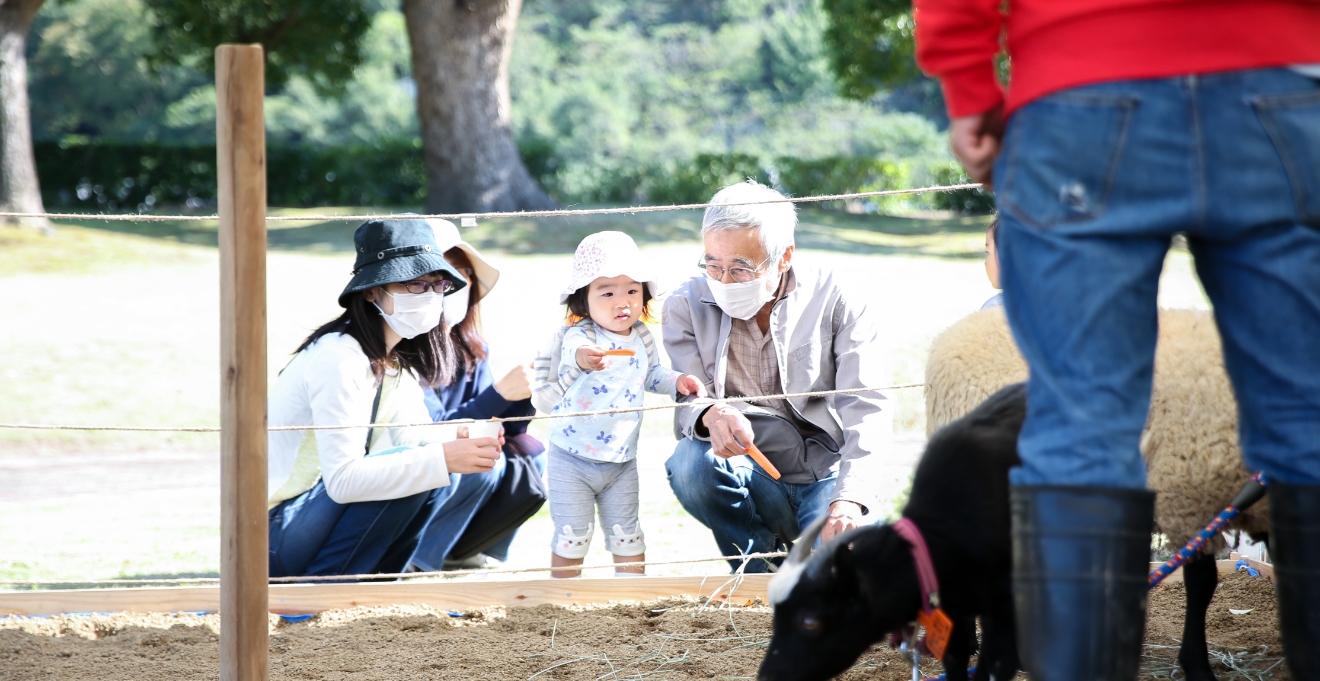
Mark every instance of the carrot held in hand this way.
pixel 763 462
pixel 619 352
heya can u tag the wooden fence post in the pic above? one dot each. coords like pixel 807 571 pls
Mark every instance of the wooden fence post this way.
pixel 240 138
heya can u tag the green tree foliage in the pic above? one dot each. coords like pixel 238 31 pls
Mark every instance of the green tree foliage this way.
pixel 88 76
pixel 608 92
pixel 376 107
pixel 697 180
pixel 319 40
pixel 613 100
pixel 870 45
pixel 840 175
pixel 116 176
pixel 962 200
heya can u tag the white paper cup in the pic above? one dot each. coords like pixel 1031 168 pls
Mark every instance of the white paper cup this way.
pixel 483 429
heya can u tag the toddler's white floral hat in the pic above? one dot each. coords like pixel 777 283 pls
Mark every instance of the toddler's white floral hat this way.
pixel 608 254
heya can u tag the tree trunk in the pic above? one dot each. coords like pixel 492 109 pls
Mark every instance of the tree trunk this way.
pixel 460 55
pixel 19 190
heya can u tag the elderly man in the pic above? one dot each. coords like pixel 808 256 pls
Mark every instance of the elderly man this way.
pixel 757 324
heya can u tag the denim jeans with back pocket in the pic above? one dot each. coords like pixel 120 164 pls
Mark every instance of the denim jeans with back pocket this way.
pixel 1092 185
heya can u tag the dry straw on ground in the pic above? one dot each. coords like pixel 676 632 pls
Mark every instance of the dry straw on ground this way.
pixel 669 639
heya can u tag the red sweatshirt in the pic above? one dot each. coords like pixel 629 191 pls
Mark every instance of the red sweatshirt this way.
pixel 1057 44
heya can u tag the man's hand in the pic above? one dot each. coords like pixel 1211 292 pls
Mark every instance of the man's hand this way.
pixel 472 455
pixel 976 140
pixel 730 431
pixel 515 385
pixel 844 516
pixel 690 385
pixel 590 357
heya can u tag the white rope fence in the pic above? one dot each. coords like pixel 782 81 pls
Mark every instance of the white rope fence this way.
pixel 629 210
pixel 393 575
pixel 463 422
pixel 439 573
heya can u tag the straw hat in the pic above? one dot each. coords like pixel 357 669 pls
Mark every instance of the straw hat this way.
pixel 608 254
pixel 447 237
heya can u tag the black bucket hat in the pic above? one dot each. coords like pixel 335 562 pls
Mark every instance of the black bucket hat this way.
pixel 395 251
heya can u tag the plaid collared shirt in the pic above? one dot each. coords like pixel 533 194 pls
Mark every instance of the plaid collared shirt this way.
pixel 753 363
pixel 754 367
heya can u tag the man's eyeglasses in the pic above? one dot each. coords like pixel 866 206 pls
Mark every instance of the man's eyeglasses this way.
pixel 418 286
pixel 742 275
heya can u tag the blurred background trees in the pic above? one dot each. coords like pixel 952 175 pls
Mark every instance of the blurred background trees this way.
pixel 611 101
pixel 460 57
pixel 20 191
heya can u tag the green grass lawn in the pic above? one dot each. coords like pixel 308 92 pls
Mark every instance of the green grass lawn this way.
pixel 117 323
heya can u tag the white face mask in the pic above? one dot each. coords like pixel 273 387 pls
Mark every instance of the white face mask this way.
pixel 742 300
pixel 456 306
pixel 414 313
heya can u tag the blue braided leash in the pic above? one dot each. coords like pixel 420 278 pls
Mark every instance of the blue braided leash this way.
pixel 1250 493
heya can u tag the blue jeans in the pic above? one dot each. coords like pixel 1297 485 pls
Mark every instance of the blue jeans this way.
pixel 448 512
pixel 1092 184
pixel 312 535
pixel 746 509
pixel 500 550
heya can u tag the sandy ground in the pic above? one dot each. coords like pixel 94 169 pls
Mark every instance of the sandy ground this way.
pixel 661 640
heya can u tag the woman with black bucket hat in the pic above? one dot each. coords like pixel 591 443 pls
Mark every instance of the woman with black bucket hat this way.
pixel 354 501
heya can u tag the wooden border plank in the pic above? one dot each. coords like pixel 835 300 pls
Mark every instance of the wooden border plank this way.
pixel 312 598
pixel 240 139
pixel 1265 569
pixel 1224 567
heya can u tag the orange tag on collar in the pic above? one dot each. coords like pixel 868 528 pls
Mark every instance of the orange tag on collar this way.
pixel 619 352
pixel 938 630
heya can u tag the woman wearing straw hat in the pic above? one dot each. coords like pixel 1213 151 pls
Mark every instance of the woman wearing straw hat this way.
pixel 354 500
pixel 473 393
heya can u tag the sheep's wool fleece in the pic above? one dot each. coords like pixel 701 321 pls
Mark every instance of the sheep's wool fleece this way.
pixel 1190 442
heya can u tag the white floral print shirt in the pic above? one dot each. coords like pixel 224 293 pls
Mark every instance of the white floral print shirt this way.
pixel 610 438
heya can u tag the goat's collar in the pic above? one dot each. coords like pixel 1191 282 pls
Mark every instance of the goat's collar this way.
pixel 930 585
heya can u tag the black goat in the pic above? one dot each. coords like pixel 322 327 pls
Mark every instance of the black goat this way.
pixel 862 586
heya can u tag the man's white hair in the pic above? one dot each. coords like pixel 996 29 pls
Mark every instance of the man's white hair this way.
pixel 775 221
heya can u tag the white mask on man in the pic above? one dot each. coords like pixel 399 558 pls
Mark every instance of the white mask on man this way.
pixel 742 300
pixel 456 307
pixel 414 313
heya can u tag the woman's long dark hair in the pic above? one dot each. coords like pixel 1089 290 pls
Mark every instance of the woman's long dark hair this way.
pixel 469 346
pixel 430 355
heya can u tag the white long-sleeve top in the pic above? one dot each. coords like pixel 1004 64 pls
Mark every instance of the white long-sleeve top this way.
pixel 330 383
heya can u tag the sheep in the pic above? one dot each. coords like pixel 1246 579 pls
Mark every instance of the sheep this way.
pixel 1190 442
pixel 862 586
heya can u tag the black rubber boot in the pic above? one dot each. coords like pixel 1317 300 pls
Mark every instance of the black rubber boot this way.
pixel 1295 550
pixel 1080 558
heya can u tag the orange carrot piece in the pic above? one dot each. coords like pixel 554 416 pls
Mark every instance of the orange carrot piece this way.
pixel 760 459
pixel 619 352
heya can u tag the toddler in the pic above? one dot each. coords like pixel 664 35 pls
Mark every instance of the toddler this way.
pixel 592 459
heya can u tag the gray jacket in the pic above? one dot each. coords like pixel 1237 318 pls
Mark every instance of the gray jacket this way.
pixel 824 340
